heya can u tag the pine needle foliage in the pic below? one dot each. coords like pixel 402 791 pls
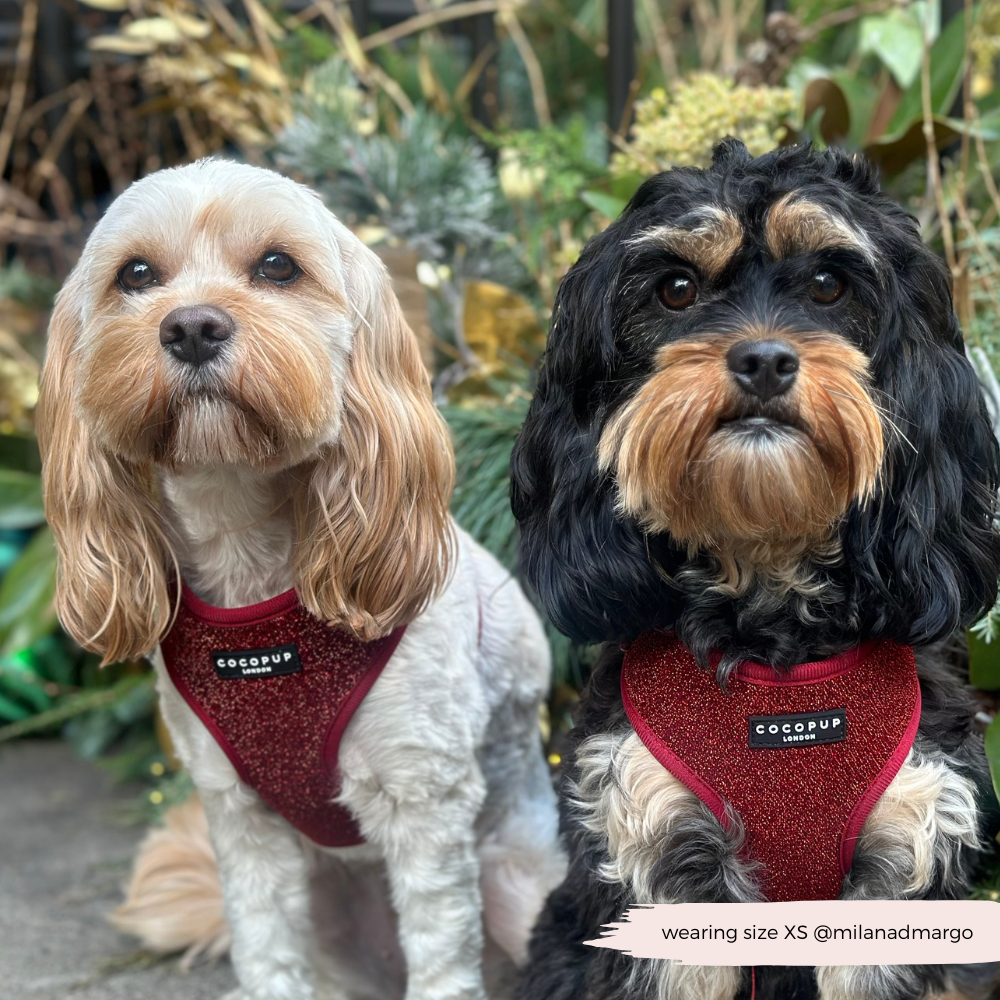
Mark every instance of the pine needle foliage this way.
pixel 483 437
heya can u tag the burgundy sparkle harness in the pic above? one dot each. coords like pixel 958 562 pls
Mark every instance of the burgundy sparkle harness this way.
pixel 277 687
pixel 801 758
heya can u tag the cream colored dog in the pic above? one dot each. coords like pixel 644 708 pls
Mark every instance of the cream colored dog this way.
pixel 290 440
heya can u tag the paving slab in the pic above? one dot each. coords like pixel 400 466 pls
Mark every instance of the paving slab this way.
pixel 65 851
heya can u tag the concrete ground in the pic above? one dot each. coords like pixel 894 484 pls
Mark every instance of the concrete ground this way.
pixel 64 854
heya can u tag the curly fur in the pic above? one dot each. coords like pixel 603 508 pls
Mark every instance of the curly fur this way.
pixel 640 510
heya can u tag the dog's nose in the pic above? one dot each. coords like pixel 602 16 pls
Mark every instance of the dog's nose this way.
pixel 764 368
pixel 194 334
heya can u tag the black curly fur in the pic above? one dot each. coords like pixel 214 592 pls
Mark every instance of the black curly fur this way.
pixel 919 562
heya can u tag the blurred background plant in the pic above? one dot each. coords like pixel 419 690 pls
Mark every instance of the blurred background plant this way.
pixel 475 145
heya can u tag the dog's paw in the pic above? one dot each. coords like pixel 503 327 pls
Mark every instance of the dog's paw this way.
pixel 468 993
pixel 870 982
pixel 241 994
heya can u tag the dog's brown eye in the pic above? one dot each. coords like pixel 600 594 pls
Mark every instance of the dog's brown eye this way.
pixel 278 267
pixel 826 287
pixel 678 291
pixel 136 274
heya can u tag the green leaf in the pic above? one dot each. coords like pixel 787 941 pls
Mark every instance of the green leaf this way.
pixel 625 185
pixel 984 663
pixel 20 500
pixel 71 708
pixel 23 685
pixel 26 594
pixel 606 204
pixel 11 711
pixel 52 661
pixel 897 39
pixel 947 56
pixel 993 753
pixel 20 451
pixel 988 126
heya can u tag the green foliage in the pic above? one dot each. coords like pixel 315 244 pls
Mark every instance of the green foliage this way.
pixel 102 693
pixel 896 38
pixel 840 103
pixel 26 595
pixel 429 187
pixel 946 57
pixel 992 742
pixel 20 499
pixel 94 732
pixel 984 654
pixel 552 163
pixel 542 174
pixel 483 438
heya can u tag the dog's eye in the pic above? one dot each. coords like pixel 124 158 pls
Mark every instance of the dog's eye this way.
pixel 826 287
pixel 678 291
pixel 135 275
pixel 278 267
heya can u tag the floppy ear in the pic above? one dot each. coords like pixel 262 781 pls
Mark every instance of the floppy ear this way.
pixel 374 538
pixel 926 551
pixel 596 572
pixel 111 591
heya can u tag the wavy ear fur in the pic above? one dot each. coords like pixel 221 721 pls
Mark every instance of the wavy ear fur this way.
pixel 374 538
pixel 926 552
pixel 591 567
pixel 111 594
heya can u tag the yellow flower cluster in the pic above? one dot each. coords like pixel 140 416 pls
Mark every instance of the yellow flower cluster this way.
pixel 679 128
pixel 985 44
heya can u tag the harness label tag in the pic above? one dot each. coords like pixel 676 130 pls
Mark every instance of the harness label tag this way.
pixel 780 731
pixel 247 664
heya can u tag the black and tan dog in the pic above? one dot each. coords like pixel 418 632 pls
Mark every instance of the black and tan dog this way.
pixel 757 434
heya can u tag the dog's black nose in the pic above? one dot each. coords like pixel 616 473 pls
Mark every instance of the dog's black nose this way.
pixel 764 368
pixel 194 334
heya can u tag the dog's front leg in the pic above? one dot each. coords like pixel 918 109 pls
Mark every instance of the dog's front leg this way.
pixel 912 846
pixel 427 837
pixel 263 868
pixel 265 884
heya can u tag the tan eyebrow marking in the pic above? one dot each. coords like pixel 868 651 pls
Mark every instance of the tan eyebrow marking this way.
pixel 796 226
pixel 710 244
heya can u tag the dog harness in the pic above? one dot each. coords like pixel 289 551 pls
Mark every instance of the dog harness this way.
pixel 800 757
pixel 277 687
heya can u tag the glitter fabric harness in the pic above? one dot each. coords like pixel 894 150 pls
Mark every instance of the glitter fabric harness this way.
pixel 800 758
pixel 277 687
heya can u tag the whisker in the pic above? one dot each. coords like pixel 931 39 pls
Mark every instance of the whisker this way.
pixel 880 410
